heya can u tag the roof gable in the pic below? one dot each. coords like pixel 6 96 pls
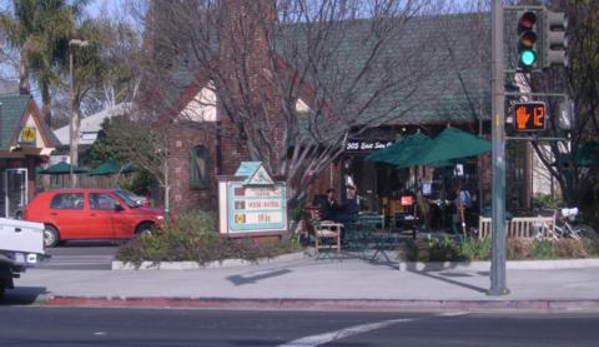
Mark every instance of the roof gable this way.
pixel 16 111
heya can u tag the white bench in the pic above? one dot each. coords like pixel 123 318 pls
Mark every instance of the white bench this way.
pixel 525 227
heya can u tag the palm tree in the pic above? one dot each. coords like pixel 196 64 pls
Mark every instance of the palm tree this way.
pixel 41 30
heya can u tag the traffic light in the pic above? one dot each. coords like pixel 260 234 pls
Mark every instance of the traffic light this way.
pixel 530 116
pixel 528 55
pixel 555 41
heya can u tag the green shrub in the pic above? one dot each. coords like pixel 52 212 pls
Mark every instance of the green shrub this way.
pixel 543 249
pixel 445 250
pixel 547 201
pixel 193 237
pixel 430 250
pixel 473 249
pixel 476 249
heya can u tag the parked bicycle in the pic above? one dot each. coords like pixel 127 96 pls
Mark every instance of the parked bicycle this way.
pixel 566 226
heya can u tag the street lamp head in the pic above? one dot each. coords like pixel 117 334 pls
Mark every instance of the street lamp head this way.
pixel 77 42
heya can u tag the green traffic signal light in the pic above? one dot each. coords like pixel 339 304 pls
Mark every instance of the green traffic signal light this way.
pixel 527 40
pixel 528 58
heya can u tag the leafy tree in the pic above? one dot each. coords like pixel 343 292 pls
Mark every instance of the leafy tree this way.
pixel 107 146
pixel 41 30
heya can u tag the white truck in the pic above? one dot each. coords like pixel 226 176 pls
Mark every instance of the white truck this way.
pixel 21 246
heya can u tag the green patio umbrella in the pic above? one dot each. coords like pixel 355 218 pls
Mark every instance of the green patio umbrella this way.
pixel 62 168
pixel 111 167
pixel 587 154
pixel 451 143
pixel 402 149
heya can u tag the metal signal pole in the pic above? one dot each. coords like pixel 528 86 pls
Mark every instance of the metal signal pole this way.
pixel 498 282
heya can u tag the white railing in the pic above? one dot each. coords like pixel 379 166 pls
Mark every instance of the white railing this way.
pixel 525 227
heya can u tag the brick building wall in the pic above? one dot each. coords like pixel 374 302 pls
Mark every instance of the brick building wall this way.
pixel 184 196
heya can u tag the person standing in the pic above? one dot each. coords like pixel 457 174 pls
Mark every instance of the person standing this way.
pixel 462 202
pixel 424 208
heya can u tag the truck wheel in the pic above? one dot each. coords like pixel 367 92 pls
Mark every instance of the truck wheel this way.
pixel 51 236
pixel 145 229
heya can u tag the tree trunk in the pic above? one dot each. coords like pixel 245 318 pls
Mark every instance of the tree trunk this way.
pixel 46 104
pixel 24 87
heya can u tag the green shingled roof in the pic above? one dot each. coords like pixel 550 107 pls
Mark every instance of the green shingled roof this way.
pixel 437 58
pixel 453 65
pixel 12 108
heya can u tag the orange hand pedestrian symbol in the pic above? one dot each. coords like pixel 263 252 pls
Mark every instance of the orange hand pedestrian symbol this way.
pixel 522 117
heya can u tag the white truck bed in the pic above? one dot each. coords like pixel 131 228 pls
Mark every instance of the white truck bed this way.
pixel 21 246
pixel 21 236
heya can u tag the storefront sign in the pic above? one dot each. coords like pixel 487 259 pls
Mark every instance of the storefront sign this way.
pixel 252 204
pixel 367 145
pixel 407 200
pixel 27 136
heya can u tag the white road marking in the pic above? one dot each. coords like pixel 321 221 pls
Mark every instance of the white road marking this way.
pixel 100 333
pixel 317 340
pixel 453 314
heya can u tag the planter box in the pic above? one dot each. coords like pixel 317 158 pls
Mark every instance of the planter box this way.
pixel 192 265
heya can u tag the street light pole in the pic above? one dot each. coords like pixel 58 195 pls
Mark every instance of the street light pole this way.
pixel 498 282
pixel 74 124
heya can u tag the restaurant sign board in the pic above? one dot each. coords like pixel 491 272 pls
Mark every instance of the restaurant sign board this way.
pixel 252 204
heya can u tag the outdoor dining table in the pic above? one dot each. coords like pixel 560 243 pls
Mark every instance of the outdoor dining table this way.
pixel 362 234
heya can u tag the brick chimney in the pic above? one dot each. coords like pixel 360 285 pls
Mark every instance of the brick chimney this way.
pixel 246 62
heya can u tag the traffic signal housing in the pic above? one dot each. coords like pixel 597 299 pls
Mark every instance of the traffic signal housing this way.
pixel 555 41
pixel 528 52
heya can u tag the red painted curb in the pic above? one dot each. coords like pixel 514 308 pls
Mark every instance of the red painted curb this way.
pixel 324 304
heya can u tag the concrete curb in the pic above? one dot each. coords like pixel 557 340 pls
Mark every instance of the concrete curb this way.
pixel 403 266
pixel 510 265
pixel 328 304
pixel 192 265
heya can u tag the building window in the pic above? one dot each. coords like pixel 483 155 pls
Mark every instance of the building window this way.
pixel 200 177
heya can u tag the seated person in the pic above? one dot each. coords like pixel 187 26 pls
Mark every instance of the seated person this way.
pixel 349 210
pixel 330 207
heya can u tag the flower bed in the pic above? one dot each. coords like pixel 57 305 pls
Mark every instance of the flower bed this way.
pixel 473 249
pixel 193 237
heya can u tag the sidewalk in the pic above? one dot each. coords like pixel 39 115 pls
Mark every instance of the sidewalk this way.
pixel 318 284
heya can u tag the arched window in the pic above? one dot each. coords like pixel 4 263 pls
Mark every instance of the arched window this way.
pixel 200 169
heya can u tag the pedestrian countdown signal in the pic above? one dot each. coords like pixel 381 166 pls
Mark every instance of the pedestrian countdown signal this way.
pixel 529 116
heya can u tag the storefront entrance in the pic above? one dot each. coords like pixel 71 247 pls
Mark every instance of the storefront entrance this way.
pixel 381 187
pixel 14 192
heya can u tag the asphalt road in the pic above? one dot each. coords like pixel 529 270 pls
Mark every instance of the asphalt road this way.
pixel 46 326
pixel 80 255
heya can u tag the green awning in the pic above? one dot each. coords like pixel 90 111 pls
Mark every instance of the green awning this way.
pixel 62 168
pixel 111 167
